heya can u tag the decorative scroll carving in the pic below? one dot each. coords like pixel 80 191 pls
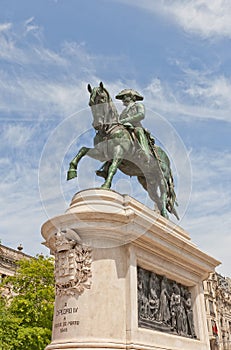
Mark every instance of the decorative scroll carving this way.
pixel 72 264
pixel 164 305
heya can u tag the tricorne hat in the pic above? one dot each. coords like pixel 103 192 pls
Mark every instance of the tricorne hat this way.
pixel 131 92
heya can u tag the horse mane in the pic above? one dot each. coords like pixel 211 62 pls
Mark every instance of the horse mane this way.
pixel 112 105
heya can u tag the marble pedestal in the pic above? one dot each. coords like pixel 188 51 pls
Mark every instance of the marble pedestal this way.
pixel 99 243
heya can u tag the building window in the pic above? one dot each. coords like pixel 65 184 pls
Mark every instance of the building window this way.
pixel 214 328
pixel 206 306
pixel 211 308
pixel 209 287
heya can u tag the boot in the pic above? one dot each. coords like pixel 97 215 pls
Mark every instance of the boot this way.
pixel 103 171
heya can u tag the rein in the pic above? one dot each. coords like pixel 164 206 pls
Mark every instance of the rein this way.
pixel 111 128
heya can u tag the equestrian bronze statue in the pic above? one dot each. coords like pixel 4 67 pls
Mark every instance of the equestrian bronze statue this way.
pixel 122 143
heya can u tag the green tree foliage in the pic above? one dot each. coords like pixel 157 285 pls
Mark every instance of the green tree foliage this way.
pixel 26 318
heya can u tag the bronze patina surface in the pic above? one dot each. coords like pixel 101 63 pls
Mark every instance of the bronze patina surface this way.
pixel 122 143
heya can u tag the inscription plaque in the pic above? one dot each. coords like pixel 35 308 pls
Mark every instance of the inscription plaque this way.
pixel 66 317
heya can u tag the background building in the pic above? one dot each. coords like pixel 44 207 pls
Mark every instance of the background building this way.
pixel 217 292
pixel 9 258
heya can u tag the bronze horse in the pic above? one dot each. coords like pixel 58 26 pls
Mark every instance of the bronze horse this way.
pixel 115 144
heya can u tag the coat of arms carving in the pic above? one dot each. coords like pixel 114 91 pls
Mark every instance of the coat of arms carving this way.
pixel 72 264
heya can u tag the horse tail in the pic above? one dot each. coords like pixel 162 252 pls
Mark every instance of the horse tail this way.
pixel 171 196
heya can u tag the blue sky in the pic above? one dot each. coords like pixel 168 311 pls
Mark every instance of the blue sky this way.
pixel 176 53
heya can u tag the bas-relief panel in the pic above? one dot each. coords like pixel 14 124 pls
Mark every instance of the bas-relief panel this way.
pixel 164 305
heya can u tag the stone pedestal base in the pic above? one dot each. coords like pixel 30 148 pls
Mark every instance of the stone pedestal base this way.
pixel 100 244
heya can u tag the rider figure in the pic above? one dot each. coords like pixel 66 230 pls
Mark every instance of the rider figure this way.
pixel 132 115
pixel 131 118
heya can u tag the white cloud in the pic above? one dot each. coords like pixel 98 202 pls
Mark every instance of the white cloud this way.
pixel 4 161
pixel 211 233
pixel 39 84
pixel 21 219
pixel 205 87
pixel 202 17
pixel 30 26
pixel 37 97
pixel 206 18
pixel 43 83
pixel 217 165
pixel 8 49
pixel 14 48
pixel 199 96
pixel 211 173
pixel 5 27
pixel 17 135
pixel 208 216
pixel 21 212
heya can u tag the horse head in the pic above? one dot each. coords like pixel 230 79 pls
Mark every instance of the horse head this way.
pixel 103 110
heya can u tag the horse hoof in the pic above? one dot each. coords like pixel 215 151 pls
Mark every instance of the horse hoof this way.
pixel 164 214
pixel 71 174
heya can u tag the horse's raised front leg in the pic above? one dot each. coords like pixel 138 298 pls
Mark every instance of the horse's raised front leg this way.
pixel 117 159
pixel 95 153
pixel 72 172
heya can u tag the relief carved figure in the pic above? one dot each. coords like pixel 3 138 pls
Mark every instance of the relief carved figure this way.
pixel 142 298
pixel 176 310
pixel 189 312
pixel 164 305
pixel 153 301
pixel 183 292
pixel 164 312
